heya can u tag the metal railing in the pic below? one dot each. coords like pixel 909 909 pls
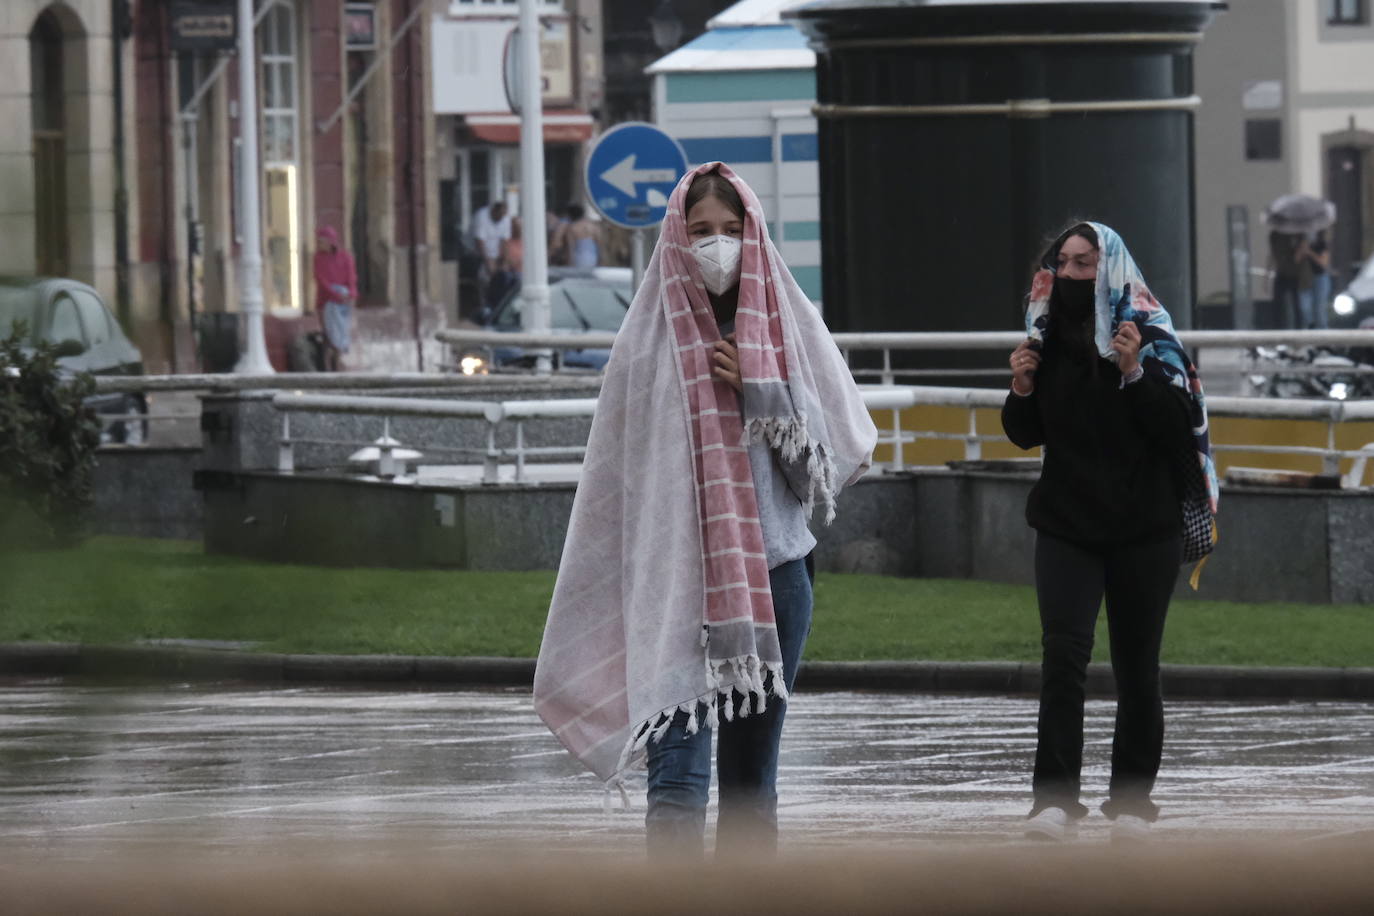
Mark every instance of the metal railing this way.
pixel 886 343
pixel 495 413
pixel 1332 413
pixel 896 399
pixel 308 381
pixel 892 399
pixel 220 383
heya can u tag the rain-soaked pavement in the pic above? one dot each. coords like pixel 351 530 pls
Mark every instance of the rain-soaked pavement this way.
pixel 87 772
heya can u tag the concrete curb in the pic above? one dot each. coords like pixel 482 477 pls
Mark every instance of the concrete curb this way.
pixel 1021 678
pixel 998 678
pixel 182 663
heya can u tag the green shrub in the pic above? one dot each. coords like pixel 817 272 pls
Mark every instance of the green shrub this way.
pixel 48 439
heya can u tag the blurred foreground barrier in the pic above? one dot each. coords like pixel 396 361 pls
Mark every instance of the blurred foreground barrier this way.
pixel 1281 876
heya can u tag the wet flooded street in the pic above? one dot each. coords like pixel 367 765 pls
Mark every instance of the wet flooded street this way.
pixel 90 772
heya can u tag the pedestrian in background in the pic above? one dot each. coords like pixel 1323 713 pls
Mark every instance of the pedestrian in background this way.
pixel 492 230
pixel 1285 279
pixel 1314 252
pixel 684 596
pixel 514 251
pixel 578 240
pixel 336 290
pixel 1103 384
pixel 557 226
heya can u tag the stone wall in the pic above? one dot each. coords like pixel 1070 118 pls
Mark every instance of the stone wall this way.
pixel 1275 545
pixel 147 492
pixel 1311 547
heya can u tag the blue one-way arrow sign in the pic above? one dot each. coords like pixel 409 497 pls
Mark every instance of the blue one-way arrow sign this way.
pixel 630 173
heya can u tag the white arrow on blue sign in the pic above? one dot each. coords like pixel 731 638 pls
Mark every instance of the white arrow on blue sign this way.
pixel 630 173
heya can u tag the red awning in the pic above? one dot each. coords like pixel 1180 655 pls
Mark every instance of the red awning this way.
pixel 561 125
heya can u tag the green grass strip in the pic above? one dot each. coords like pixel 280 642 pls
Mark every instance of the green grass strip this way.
pixel 119 590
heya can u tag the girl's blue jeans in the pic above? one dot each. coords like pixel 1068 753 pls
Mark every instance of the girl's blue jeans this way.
pixel 746 752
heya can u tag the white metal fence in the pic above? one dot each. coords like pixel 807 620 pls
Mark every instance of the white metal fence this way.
pixel 389 462
pixel 886 343
pixel 224 383
pixel 888 396
pixel 1332 413
pixel 891 400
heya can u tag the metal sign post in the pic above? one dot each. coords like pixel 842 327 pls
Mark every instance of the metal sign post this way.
pixel 254 360
pixel 630 172
pixel 1238 245
pixel 534 284
pixel 637 259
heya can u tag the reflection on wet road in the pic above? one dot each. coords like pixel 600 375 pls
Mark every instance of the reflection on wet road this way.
pixel 92 771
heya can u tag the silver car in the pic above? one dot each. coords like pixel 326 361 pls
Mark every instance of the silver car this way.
pixel 72 316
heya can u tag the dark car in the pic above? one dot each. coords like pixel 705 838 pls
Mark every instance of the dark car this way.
pixel 1353 307
pixel 73 317
pixel 581 299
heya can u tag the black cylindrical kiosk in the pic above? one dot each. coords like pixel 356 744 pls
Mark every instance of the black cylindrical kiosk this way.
pixel 955 136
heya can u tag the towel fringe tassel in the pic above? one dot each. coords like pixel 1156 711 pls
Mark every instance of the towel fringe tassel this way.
pixel 728 676
pixel 793 442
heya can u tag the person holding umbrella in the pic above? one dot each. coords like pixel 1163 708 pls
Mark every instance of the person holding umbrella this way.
pixel 1297 254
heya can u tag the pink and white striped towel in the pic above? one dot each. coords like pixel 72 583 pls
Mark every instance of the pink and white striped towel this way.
pixel 662 601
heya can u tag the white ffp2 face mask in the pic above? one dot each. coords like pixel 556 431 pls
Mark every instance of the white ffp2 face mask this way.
pixel 718 256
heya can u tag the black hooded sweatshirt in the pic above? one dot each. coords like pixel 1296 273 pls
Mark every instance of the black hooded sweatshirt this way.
pixel 1110 476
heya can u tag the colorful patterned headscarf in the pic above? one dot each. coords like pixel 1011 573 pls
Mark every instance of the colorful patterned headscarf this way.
pixel 1121 295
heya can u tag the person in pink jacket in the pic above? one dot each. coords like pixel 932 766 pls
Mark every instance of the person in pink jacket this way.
pixel 336 289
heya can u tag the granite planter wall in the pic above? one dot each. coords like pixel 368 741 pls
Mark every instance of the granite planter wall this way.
pixel 1314 547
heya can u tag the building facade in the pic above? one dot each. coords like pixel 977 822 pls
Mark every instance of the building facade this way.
pixel 742 92
pixel 344 141
pixel 1287 92
pixel 478 134
pixel 62 209
pixel 126 173
pixel 1287 89
pixel 387 119
pixel 637 33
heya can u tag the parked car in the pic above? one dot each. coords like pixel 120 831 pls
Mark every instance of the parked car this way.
pixel 581 299
pixel 1356 301
pixel 1353 307
pixel 73 317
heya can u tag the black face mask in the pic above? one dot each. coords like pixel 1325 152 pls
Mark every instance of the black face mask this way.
pixel 1073 299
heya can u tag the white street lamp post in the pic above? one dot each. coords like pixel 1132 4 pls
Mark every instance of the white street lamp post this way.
pixel 254 360
pixel 534 290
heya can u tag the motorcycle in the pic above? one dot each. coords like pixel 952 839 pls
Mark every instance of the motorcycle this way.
pixel 1307 372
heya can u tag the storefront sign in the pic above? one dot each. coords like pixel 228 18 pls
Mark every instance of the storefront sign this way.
pixel 202 25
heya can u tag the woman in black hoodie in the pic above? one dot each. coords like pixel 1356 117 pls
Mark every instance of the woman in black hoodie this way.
pixel 1103 384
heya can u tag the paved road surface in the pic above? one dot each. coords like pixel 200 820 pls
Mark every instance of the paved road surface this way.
pixel 87 772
